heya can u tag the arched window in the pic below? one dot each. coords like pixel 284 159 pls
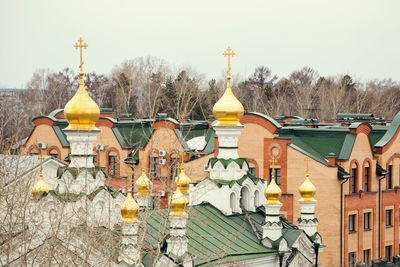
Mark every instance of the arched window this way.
pixel 367 176
pixel 54 152
pixel 153 164
pixel 174 159
pixel 112 162
pixel 256 198
pixel 232 202
pixel 244 198
pixel 354 177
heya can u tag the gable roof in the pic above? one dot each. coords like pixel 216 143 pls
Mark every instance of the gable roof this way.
pixel 390 133
pixel 317 143
pixel 213 237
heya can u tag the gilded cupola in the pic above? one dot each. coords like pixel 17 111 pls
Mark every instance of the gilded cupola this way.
pixel 182 181
pixel 228 110
pixel 178 204
pixel 273 192
pixel 129 208
pixel 307 189
pixel 143 184
pixel 41 185
pixel 81 111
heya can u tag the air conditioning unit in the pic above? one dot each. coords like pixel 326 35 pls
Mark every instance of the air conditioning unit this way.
pixel 206 168
pixel 161 193
pixel 42 145
pixel 162 153
pixel 100 146
pixel 163 161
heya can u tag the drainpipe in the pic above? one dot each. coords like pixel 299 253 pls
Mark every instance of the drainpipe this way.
pixel 281 259
pixel 316 247
pixel 380 208
pixel 341 220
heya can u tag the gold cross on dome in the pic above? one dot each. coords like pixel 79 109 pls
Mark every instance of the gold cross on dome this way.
pixel 41 158
pixel 129 183
pixel 307 160
pixel 229 52
pixel 80 46
pixel 272 164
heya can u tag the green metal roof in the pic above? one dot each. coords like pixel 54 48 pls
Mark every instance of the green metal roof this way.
pixel 390 133
pixel 60 134
pixel 213 237
pixel 210 139
pixel 131 134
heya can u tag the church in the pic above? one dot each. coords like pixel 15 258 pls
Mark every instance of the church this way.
pixel 230 218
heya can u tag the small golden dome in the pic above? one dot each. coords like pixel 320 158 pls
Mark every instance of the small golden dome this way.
pixel 178 204
pixel 183 182
pixel 40 186
pixel 143 184
pixel 307 190
pixel 81 111
pixel 129 209
pixel 228 110
pixel 273 193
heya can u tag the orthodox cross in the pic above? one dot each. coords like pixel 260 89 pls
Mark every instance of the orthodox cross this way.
pixel 131 173
pixel 41 158
pixel 307 159
pixel 229 52
pixel 181 163
pixel 272 164
pixel 80 45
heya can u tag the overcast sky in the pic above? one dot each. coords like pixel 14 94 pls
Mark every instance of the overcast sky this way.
pixel 361 38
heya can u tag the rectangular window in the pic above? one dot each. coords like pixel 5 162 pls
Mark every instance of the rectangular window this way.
pixel 352 259
pixel 277 176
pixel 153 167
pixel 95 160
pixel 174 168
pixel 354 180
pixel 252 170
pixel 367 221
pixel 112 165
pixel 352 223
pixel 366 179
pixel 367 256
pixel 388 253
pixel 390 177
pixel 388 218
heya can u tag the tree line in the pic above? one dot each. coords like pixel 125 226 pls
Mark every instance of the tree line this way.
pixel 146 86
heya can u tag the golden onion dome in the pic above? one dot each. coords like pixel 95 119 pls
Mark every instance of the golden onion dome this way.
pixel 40 186
pixel 307 190
pixel 273 193
pixel 183 182
pixel 228 110
pixel 178 204
pixel 144 184
pixel 129 209
pixel 81 111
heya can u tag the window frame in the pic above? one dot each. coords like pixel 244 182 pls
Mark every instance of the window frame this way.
pixel 352 255
pixel 352 223
pixel 390 177
pixel 388 248
pixel 367 226
pixel 367 173
pixel 277 175
pixel 174 167
pixel 389 214
pixel 112 165
pixel 354 180
pixel 367 256
pixel 154 167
